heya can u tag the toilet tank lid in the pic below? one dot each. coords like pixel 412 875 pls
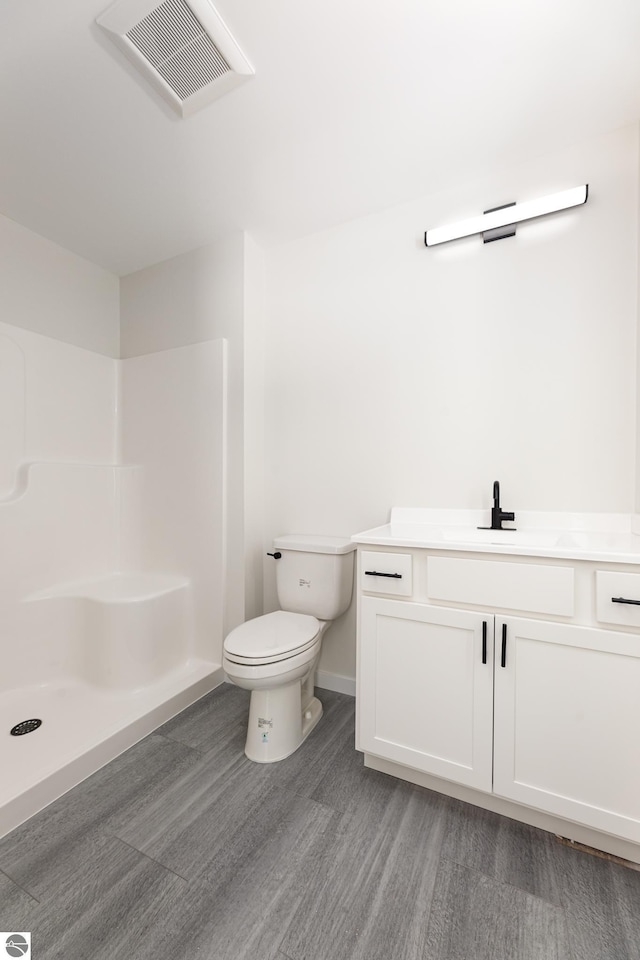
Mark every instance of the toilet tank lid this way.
pixel 314 543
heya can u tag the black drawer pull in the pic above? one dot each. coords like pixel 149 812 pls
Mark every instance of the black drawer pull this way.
pixel 484 641
pixel 503 659
pixel 622 600
pixel 374 573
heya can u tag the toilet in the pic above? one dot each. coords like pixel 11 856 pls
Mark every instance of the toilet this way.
pixel 275 656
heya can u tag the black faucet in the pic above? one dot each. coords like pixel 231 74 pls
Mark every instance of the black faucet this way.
pixel 497 513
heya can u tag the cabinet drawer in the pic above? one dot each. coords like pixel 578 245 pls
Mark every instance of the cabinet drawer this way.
pixel 612 587
pixel 530 587
pixel 388 573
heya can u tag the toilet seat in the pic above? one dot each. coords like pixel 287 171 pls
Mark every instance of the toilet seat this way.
pixel 272 638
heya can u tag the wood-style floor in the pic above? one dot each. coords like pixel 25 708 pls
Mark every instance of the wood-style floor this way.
pixel 182 848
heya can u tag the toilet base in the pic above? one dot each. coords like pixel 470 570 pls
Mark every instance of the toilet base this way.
pixel 278 724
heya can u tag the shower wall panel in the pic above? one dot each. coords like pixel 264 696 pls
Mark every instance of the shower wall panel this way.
pixel 173 497
pixel 58 517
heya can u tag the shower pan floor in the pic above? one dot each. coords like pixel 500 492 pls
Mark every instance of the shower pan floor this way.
pixel 83 727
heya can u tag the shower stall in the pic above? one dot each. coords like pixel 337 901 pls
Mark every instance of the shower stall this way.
pixel 112 525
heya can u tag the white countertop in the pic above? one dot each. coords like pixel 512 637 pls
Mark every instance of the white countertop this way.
pixel 606 537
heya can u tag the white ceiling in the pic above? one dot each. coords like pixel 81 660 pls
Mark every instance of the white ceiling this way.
pixel 356 105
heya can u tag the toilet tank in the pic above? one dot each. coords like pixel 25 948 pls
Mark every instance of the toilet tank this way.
pixel 314 575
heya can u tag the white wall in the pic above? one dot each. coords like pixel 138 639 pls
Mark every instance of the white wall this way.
pixel 49 290
pixel 61 313
pixel 397 374
pixel 189 299
pixel 58 403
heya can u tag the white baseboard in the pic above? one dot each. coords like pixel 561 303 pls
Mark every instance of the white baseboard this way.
pixel 333 681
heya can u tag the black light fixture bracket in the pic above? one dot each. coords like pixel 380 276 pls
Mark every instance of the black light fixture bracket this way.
pixel 499 233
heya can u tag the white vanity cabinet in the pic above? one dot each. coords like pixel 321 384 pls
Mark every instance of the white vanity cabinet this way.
pixel 567 722
pixel 539 715
pixel 425 694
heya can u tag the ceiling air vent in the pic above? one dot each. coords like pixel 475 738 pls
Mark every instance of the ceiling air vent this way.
pixel 183 49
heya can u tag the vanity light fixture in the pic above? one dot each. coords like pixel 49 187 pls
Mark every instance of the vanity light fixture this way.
pixel 501 221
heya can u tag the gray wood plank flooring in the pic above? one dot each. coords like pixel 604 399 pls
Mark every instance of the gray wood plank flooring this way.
pixel 182 847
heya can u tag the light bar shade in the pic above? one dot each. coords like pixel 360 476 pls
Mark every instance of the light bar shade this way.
pixel 511 214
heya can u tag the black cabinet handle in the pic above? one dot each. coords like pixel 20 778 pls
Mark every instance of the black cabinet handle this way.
pixel 503 658
pixel 622 600
pixel 276 555
pixel 374 573
pixel 484 641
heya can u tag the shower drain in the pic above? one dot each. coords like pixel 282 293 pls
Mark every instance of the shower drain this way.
pixel 25 726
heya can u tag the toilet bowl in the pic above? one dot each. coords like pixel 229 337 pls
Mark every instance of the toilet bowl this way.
pixel 275 655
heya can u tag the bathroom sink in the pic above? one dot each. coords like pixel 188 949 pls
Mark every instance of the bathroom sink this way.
pixel 606 537
pixel 511 538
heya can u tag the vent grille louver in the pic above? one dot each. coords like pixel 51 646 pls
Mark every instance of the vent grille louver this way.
pixel 184 49
pixel 176 44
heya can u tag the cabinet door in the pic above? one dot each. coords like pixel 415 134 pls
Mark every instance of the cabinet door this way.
pixel 425 696
pixel 567 722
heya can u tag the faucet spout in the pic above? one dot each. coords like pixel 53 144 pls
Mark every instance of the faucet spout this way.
pixel 498 515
